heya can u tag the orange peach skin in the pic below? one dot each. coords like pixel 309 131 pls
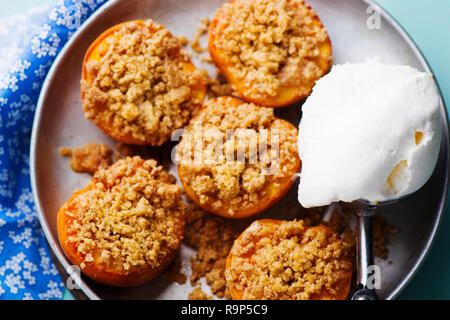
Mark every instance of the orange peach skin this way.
pixel 97 51
pixel 342 288
pixel 274 193
pixel 96 270
pixel 287 94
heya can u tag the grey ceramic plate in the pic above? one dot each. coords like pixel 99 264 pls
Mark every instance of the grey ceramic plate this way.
pixel 60 122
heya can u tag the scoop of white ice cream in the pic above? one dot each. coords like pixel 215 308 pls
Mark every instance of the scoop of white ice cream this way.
pixel 368 131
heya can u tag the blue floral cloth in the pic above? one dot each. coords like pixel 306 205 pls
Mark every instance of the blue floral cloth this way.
pixel 26 269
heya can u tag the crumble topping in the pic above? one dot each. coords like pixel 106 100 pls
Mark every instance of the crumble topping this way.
pixel 270 44
pixel 140 87
pixel 218 87
pixel 287 261
pixel 201 30
pixel 380 240
pixel 212 237
pixel 89 158
pixel 198 294
pixel 130 218
pixel 218 177
pixel 206 59
pixel 182 40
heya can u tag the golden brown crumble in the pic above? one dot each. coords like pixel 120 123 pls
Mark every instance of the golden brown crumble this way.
pixel 201 30
pixel 219 178
pixel 219 87
pixel 206 59
pixel 340 221
pixel 288 261
pixel 213 238
pixel 65 152
pixel 89 158
pixel 270 44
pixel 183 40
pixel 141 89
pixel 131 216
pixel 198 294
pixel 216 87
pixel 381 230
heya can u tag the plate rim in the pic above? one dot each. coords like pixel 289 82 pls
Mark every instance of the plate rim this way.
pixel 65 263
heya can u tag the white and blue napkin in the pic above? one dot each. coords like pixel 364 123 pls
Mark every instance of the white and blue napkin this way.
pixel 29 44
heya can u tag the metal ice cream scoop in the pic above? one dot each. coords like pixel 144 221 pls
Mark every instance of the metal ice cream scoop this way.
pixel 364 247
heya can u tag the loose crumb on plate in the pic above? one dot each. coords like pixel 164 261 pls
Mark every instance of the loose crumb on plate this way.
pixel 201 30
pixel 207 59
pixel 381 231
pixel 213 238
pixel 183 40
pixel 198 294
pixel 218 86
pixel 89 158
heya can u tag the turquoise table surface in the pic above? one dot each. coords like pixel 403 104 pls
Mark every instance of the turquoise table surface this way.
pixel 428 24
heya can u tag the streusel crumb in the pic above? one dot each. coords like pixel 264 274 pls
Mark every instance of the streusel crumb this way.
pixel 89 158
pixel 198 294
pixel 201 30
pixel 270 44
pixel 213 238
pixel 381 231
pixel 218 86
pixel 131 217
pixel 183 40
pixel 236 155
pixel 287 261
pixel 142 90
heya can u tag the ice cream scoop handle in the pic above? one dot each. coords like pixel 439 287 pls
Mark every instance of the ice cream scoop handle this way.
pixel 364 254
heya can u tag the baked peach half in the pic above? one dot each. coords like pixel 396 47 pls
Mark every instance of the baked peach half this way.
pixel 272 52
pixel 237 159
pixel 285 260
pixel 126 225
pixel 137 85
